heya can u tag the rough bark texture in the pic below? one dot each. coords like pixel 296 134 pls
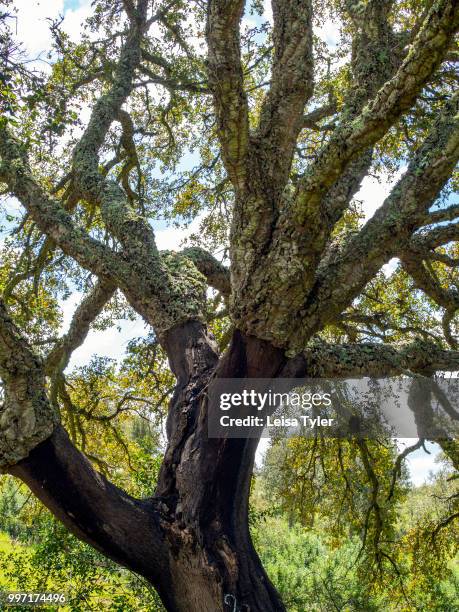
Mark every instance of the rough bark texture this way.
pixel 287 281
pixel 25 415
pixel 205 482
pixel 191 540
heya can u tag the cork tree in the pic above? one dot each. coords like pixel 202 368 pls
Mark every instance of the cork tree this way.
pixel 279 129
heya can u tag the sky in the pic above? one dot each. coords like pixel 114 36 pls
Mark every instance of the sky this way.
pixel 32 29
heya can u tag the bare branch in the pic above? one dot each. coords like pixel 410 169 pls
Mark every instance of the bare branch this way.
pixel 378 320
pixel 173 84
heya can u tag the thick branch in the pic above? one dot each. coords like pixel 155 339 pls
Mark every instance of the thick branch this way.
pixel 132 159
pixel 26 418
pixel 444 214
pixel 438 236
pixel 49 216
pixel 227 85
pixel 164 290
pixel 288 253
pixel 86 176
pixel 292 84
pixel 425 278
pixel 345 273
pixel 122 528
pixel 311 119
pixel 133 231
pixel 375 59
pixel 218 276
pixel 157 287
pixel 368 359
pixel 39 452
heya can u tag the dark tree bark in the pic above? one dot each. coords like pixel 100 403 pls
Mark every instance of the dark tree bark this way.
pixel 289 278
pixel 206 482
pixel 192 539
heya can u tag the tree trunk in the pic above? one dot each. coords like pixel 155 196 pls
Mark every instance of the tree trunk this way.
pixel 205 483
pixel 192 539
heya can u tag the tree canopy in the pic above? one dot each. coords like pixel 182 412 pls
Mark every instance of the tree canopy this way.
pixel 245 119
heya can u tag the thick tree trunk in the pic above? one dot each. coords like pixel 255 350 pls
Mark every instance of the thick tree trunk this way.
pixel 192 539
pixel 205 483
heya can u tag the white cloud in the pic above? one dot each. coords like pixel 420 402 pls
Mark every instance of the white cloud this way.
pixel 390 266
pixel 421 465
pixel 172 238
pixel 262 447
pixel 111 342
pixel 267 10
pixel 329 32
pixel 374 191
pixel 75 18
pixel 11 205
pixel 108 343
pixel 248 23
pixel 33 25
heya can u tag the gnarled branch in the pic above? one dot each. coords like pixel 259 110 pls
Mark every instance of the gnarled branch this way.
pixel 26 417
pixel 226 82
pixel 395 97
pixel 292 84
pixel 346 272
pixel 371 359
pixel 218 276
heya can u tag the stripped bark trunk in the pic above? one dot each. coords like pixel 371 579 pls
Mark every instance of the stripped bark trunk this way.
pixel 192 539
pixel 205 483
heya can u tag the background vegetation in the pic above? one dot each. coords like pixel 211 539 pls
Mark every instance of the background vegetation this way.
pixel 309 542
